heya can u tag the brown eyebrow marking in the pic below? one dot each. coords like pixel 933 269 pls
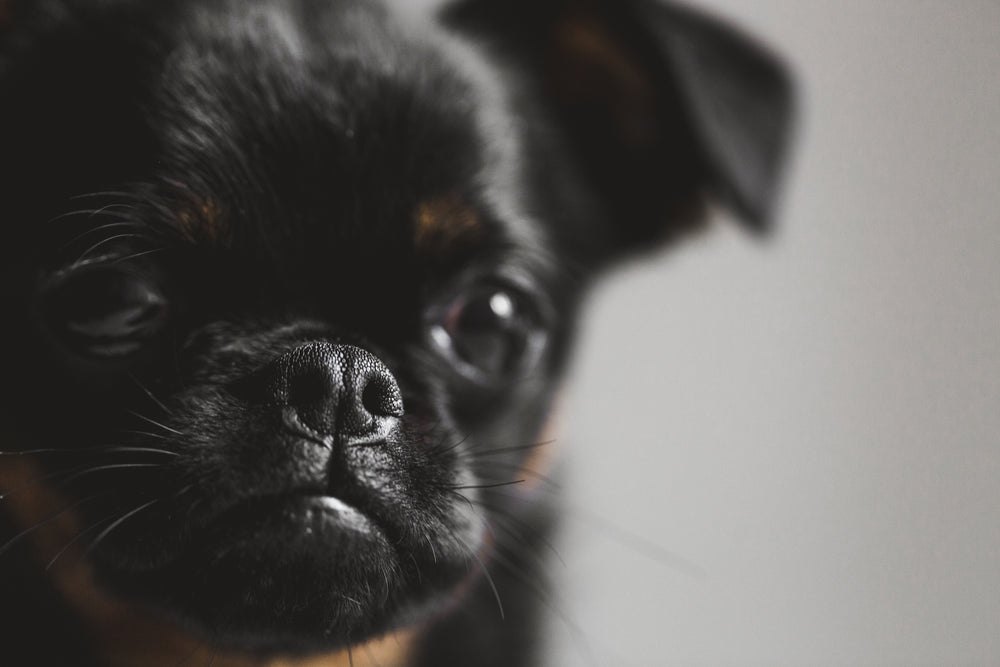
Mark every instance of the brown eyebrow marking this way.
pixel 204 222
pixel 445 224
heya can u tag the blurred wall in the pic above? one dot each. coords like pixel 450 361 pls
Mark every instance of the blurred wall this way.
pixel 810 425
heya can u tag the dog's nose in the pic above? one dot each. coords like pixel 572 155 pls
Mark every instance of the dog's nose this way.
pixel 332 389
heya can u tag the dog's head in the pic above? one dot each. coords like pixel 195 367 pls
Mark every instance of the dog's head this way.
pixel 288 286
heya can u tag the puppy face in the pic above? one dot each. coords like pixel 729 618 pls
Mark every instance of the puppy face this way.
pixel 292 284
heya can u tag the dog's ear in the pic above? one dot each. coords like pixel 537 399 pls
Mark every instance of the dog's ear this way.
pixel 660 105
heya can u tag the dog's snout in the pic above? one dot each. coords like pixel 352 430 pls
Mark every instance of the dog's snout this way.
pixel 333 389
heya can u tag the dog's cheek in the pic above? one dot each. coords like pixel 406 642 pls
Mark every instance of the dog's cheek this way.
pixel 29 501
pixel 54 546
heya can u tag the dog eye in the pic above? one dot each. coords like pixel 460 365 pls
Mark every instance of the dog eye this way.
pixel 105 312
pixel 493 333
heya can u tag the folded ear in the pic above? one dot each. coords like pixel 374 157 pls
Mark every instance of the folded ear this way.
pixel 659 104
pixel 739 99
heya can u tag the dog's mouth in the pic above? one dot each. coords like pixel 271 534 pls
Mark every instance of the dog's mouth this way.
pixel 299 568
pixel 276 565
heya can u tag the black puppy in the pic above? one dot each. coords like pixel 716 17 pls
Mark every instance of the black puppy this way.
pixel 287 290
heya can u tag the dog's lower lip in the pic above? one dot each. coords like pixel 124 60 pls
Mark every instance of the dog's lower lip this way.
pixel 334 503
pixel 348 515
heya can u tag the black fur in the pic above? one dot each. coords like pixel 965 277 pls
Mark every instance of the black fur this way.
pixel 218 283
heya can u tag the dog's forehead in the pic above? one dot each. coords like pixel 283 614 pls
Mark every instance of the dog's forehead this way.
pixel 341 123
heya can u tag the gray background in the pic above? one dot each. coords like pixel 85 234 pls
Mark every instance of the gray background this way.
pixel 812 423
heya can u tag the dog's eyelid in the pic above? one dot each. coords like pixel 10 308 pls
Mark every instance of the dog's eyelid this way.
pixel 502 276
pixel 103 311
pixel 65 272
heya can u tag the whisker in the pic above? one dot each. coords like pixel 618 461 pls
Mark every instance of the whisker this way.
pixel 44 521
pixel 148 450
pixel 104 209
pixel 541 477
pixel 36 480
pixel 462 497
pixel 137 255
pixel 430 543
pixel 107 531
pixel 91 212
pixel 102 242
pixel 441 451
pixel 147 434
pixel 486 486
pixel 87 450
pixel 115 466
pixel 73 473
pixel 637 543
pixel 539 590
pixel 111 225
pixel 150 394
pixel 489 580
pixel 507 520
pixel 475 453
pixel 76 539
pixel 106 193
pixel 472 507
pixel 155 423
pixel 528 574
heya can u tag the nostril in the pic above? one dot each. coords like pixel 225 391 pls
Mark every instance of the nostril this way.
pixel 310 386
pixel 381 396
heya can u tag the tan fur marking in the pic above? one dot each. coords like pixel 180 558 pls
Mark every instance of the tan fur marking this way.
pixel 540 460
pixel 445 224
pixel 205 223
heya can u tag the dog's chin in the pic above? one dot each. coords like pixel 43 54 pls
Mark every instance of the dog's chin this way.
pixel 293 574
